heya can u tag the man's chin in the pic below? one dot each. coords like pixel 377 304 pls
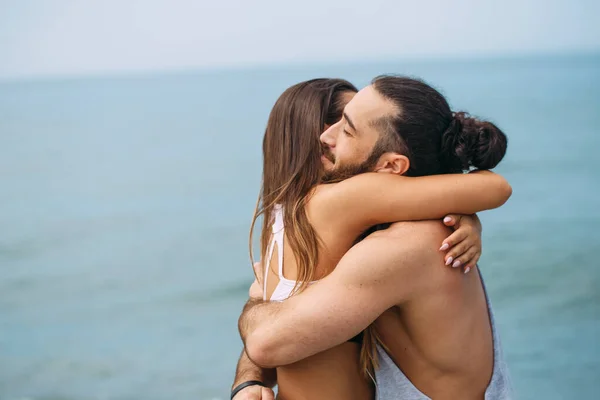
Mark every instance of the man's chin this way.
pixel 342 172
pixel 335 175
pixel 328 165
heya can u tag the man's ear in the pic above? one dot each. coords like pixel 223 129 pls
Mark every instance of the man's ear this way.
pixel 393 163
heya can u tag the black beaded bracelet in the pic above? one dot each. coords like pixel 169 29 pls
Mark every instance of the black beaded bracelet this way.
pixel 244 385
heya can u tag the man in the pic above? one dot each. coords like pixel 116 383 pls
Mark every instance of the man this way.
pixel 436 325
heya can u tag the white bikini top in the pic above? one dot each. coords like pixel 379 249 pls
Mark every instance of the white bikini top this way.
pixel 284 288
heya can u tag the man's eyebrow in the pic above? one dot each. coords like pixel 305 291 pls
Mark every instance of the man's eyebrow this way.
pixel 349 122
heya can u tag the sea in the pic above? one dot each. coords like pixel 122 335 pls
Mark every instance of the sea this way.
pixel 125 204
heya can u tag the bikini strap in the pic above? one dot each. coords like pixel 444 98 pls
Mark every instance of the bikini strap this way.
pixel 278 235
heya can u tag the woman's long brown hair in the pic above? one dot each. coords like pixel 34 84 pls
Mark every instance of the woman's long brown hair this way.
pixel 292 168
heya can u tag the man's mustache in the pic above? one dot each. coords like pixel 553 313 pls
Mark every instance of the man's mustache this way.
pixel 327 153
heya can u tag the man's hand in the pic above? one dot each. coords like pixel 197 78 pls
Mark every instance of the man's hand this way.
pixel 464 244
pixel 255 393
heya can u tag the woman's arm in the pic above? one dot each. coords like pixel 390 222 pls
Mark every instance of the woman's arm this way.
pixel 369 199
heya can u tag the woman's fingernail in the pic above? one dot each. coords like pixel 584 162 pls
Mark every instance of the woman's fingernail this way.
pixel 456 264
pixel 445 246
pixel 447 219
pixel 449 261
pixel 467 270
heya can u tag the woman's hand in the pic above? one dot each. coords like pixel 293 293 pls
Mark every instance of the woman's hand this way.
pixel 464 245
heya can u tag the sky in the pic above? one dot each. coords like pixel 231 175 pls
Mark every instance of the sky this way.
pixel 81 37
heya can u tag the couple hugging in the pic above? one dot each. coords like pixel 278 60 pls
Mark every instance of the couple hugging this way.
pixel 354 298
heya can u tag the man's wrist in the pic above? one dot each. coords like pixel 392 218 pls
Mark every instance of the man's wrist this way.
pixel 246 371
pixel 245 385
pixel 249 376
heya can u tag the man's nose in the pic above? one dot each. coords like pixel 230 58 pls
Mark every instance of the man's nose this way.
pixel 328 137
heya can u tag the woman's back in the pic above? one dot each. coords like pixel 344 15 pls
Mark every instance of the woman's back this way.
pixel 334 373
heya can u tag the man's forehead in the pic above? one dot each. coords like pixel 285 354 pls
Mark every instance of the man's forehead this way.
pixel 368 106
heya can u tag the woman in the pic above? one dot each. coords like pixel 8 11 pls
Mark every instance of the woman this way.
pixel 313 242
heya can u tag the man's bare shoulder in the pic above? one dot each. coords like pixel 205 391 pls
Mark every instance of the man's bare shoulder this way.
pixel 418 240
pixel 406 253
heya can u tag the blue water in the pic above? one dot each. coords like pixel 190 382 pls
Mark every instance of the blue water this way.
pixel 125 204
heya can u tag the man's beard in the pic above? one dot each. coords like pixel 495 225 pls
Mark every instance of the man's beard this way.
pixel 348 171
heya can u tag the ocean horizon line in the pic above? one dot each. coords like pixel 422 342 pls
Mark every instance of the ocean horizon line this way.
pixel 484 58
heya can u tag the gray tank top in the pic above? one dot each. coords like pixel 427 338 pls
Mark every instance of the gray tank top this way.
pixel 392 384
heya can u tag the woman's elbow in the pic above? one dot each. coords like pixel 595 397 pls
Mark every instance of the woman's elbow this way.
pixel 505 190
pixel 500 191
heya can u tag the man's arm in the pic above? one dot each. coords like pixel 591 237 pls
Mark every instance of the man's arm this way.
pixel 248 371
pixel 373 276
